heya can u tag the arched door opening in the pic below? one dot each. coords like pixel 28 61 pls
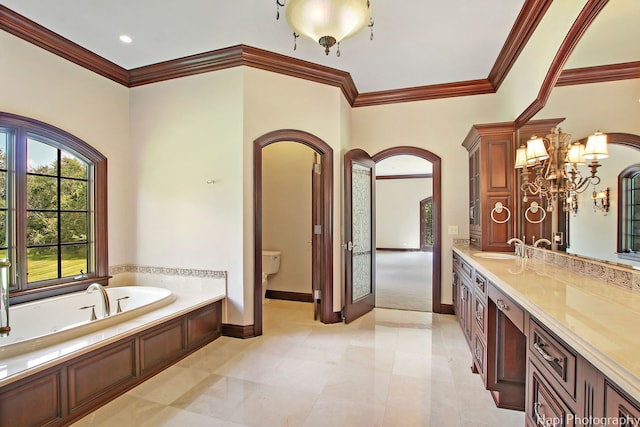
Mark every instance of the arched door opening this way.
pixel 413 174
pixel 321 238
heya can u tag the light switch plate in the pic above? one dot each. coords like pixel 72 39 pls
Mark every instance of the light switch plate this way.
pixel 453 229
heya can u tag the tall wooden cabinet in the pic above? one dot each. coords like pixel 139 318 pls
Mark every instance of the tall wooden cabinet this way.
pixel 494 180
pixel 491 181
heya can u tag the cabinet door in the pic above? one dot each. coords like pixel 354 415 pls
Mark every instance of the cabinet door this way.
pixel 619 407
pixel 17 406
pixel 544 406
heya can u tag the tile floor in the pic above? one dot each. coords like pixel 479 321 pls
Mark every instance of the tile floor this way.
pixel 388 368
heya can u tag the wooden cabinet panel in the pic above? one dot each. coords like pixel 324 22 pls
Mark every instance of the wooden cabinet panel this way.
pixel 37 402
pixel 466 271
pixel 508 307
pixel 203 324
pixel 499 164
pixel 619 407
pixel 97 374
pixel 506 351
pixel 481 283
pixel 162 344
pixel 480 315
pixel 545 407
pixel 554 356
pixel 479 355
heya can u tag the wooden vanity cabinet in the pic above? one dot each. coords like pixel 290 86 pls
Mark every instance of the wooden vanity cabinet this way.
pixel 506 350
pixel 491 180
pixel 526 366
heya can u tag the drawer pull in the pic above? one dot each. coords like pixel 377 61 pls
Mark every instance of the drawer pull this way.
pixel 501 305
pixel 546 356
pixel 478 316
pixel 536 412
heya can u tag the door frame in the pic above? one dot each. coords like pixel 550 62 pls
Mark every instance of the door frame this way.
pixel 326 200
pixel 436 275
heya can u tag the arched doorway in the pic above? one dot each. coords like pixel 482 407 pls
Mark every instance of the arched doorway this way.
pixel 324 233
pixel 436 211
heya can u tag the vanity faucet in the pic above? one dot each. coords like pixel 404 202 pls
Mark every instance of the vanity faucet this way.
pixel 519 247
pixel 106 307
pixel 545 241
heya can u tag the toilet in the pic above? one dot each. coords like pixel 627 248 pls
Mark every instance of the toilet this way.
pixel 270 265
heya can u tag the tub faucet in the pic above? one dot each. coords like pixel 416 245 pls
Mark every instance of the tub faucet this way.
pixel 105 298
pixel 545 241
pixel 519 247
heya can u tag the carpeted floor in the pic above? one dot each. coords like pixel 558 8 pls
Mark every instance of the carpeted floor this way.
pixel 403 280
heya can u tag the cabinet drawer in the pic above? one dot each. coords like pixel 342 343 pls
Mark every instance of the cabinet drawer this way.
pixel 554 356
pixel 480 315
pixel 507 306
pixel 544 406
pixel 481 283
pixel 618 406
pixel 466 271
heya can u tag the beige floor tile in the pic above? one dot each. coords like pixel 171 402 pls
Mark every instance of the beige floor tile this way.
pixel 388 368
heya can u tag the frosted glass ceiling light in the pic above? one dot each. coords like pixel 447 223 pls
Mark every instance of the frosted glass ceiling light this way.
pixel 327 22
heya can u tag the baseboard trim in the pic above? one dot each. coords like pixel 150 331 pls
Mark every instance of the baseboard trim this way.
pixel 447 309
pixel 335 318
pixel 399 249
pixel 238 331
pixel 289 296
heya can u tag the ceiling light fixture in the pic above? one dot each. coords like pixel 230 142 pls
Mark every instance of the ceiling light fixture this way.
pixel 555 160
pixel 326 22
pixel 125 39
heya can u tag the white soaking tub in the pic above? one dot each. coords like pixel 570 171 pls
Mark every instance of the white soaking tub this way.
pixel 40 323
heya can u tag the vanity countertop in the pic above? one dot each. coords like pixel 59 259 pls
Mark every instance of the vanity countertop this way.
pixel 599 320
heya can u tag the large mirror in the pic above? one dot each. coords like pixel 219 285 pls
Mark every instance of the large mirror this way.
pixel 611 107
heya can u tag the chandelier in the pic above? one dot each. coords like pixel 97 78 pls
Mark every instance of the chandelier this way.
pixel 326 22
pixel 554 162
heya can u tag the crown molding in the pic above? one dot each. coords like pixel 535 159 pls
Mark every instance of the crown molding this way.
pixel 528 19
pixel 243 55
pixel 421 93
pixel 583 21
pixel 599 74
pixel 40 36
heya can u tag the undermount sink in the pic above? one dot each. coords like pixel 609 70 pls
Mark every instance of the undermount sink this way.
pixel 494 255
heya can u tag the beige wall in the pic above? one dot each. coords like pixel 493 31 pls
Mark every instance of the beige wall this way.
pixel 185 133
pixel 286 213
pixel 40 85
pixel 522 85
pixel 273 101
pixel 398 211
pixel 438 126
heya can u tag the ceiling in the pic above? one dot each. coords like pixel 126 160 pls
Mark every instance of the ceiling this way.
pixel 416 42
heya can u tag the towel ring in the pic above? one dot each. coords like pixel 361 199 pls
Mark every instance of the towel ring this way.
pixel 498 208
pixel 534 208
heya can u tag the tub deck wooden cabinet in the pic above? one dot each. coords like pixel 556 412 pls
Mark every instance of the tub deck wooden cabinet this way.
pixel 72 389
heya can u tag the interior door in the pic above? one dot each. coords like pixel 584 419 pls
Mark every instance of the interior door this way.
pixel 360 249
pixel 316 235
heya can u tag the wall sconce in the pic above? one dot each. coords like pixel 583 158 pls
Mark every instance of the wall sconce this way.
pixel 600 200
pixel 571 203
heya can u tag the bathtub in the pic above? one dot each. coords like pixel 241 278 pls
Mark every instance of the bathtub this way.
pixel 44 322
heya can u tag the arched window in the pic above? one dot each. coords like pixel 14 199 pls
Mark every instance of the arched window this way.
pixel 53 210
pixel 629 212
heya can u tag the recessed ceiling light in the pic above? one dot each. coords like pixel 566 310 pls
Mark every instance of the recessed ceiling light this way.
pixel 125 39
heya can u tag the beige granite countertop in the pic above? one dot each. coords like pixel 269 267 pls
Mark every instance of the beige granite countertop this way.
pixel 599 320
